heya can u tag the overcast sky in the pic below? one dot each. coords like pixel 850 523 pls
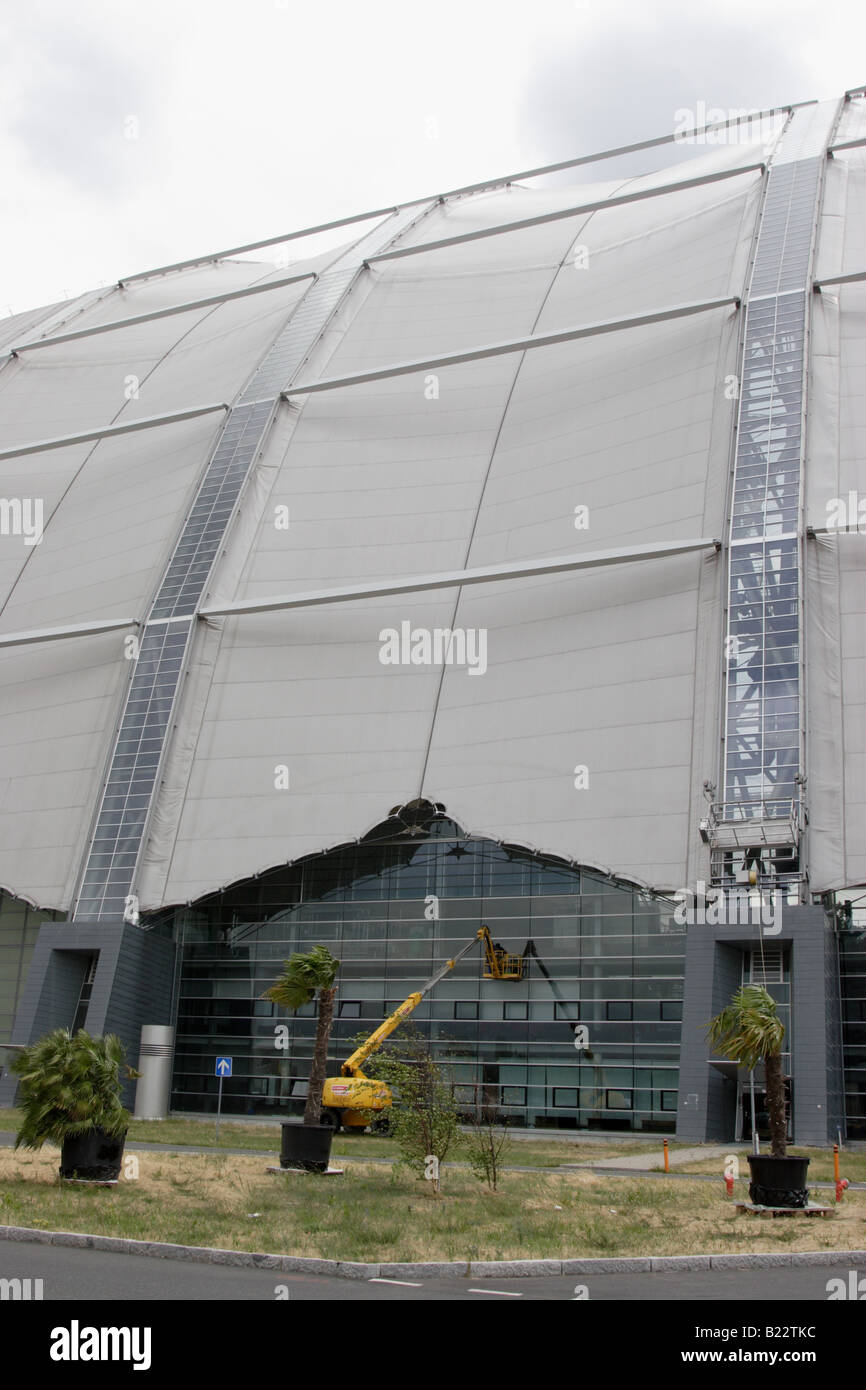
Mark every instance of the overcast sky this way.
pixel 135 133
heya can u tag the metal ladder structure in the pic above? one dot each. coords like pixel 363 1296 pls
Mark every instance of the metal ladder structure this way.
pixel 760 814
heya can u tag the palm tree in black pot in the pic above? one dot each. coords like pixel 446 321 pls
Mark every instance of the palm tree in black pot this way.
pixel 749 1031
pixel 70 1095
pixel 308 977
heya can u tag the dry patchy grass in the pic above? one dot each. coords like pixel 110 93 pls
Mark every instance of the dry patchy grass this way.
pixel 379 1213
pixel 261 1138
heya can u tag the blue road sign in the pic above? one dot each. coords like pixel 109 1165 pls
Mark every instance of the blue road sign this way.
pixel 223 1066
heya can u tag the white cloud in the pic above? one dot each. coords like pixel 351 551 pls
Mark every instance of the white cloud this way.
pixel 258 117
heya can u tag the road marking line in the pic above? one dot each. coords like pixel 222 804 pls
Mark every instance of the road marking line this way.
pixel 405 1283
pixel 503 1293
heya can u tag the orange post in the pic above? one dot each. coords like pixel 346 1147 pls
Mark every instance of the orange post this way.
pixel 667 1159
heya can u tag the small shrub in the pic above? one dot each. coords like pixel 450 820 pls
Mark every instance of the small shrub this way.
pixel 487 1145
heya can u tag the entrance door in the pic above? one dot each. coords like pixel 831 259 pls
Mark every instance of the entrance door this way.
pixel 762 1115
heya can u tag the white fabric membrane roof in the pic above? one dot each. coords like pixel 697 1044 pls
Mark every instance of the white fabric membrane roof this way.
pixel 836 469
pixel 613 670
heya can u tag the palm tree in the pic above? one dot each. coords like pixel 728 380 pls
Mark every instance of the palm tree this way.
pixel 750 1031
pixel 305 978
pixel 71 1085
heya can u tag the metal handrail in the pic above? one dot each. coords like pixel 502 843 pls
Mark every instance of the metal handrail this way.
pixel 728 812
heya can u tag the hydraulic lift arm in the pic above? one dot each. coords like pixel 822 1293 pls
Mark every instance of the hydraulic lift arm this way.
pixel 352 1066
pixel 352 1097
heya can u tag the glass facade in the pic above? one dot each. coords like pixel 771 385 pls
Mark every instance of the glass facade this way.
pixel 762 731
pixel 393 907
pixel 852 967
pixel 19 928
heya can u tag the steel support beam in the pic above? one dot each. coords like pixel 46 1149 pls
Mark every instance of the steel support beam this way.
pixel 855 530
pixel 257 245
pixel 847 279
pixel 847 145
pixel 680 137
pixel 564 335
pixel 57 634
pixel 600 205
pixel 450 579
pixel 109 431
pixel 190 304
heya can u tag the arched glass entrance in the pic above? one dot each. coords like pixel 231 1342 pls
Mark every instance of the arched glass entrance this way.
pixel 392 906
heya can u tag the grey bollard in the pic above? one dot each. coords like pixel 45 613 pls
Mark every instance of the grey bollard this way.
pixel 154 1085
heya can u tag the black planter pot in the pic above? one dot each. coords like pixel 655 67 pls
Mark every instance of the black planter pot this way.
pixel 306 1146
pixel 92 1157
pixel 778 1182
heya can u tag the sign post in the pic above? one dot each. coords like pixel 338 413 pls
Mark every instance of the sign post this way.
pixel 222 1069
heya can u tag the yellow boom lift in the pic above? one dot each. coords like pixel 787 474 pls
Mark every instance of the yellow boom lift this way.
pixel 349 1098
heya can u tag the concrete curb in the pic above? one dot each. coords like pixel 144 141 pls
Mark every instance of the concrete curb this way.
pixel 475 1269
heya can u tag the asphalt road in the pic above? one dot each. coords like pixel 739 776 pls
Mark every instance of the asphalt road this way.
pixel 70 1274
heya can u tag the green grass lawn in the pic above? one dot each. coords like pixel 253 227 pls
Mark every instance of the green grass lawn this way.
pixel 377 1213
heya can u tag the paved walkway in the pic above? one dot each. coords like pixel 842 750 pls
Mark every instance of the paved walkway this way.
pixel 641 1163
pixel 648 1162
pixel 540 1135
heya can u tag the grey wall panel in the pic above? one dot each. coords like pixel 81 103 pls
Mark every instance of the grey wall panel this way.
pixel 132 986
pixel 714 957
pixel 140 992
pixel 707 1099
pixel 50 996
